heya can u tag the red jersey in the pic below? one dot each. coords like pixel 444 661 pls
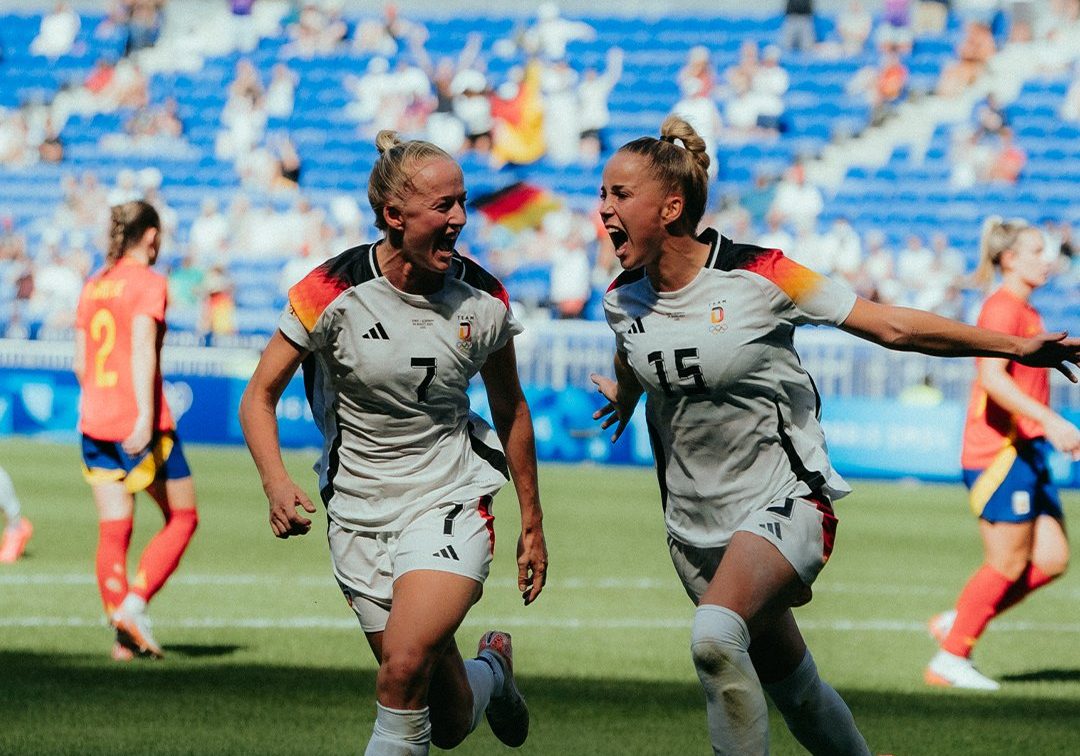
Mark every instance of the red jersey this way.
pixel 989 426
pixel 109 302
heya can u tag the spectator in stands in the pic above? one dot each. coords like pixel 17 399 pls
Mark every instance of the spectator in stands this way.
pixel 947 258
pixel 144 25
pixel 894 34
pixel 882 86
pixel 990 117
pixel 931 17
pixel 389 35
pixel 127 89
pixel 56 289
pixel 562 129
pixel 517 113
pixel 281 92
pixel 699 110
pixel 219 304
pixel 15 148
pixel 759 197
pixel 472 104
pixel 854 25
pixel 970 159
pixel 126 188
pixel 1009 159
pixel 769 84
pixel 846 249
pixel 877 281
pixel 289 164
pixel 974 52
pixel 548 37
pixel 914 263
pixel 316 31
pixel 569 287
pixel 209 233
pixel 443 127
pixel 368 91
pixel 186 286
pixel 797 32
pixel 592 105
pixel 697 74
pixel 797 200
pixel 245 32
pixel 57 33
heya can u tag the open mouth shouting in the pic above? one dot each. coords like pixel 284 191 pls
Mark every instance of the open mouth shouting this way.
pixel 618 239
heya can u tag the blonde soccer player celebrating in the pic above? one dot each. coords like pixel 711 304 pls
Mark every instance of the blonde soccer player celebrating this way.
pixel 703 327
pixel 389 335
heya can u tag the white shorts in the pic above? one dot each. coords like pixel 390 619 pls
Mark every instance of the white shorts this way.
pixel 802 530
pixel 457 537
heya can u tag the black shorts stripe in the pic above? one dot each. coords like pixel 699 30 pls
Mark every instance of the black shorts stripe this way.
pixel 815 480
pixel 493 457
pixel 661 463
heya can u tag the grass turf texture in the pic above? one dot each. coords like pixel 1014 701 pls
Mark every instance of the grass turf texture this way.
pixel 263 656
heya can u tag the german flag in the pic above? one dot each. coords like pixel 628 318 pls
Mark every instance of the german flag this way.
pixel 518 206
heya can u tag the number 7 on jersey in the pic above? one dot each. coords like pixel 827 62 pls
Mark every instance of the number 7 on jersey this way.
pixel 426 364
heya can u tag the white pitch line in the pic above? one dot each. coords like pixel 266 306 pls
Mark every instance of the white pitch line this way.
pixel 553 623
pixel 569 583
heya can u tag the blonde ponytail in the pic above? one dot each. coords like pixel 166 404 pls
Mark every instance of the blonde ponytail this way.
pixel 682 168
pixel 390 175
pixel 998 235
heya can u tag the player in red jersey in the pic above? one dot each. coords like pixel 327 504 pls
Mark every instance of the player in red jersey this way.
pixel 1009 434
pixel 129 442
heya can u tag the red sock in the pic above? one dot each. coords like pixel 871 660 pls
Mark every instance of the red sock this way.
pixel 1032 579
pixel 162 555
pixel 114 536
pixel 974 609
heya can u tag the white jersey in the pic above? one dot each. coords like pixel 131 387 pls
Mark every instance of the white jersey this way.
pixel 732 415
pixel 387 379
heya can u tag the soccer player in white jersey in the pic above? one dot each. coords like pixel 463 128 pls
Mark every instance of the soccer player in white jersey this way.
pixel 703 326
pixel 389 335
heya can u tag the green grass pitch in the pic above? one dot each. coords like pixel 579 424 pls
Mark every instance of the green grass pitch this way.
pixel 264 657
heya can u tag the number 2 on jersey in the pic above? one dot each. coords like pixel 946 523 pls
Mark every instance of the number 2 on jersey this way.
pixel 103 332
pixel 683 368
pixel 428 365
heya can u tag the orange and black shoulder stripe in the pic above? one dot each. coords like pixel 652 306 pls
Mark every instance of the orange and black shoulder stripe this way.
pixel 314 293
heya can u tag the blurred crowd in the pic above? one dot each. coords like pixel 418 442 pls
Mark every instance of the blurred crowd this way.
pixel 538 102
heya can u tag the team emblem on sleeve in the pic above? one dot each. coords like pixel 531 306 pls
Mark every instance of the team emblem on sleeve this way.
pixel 716 317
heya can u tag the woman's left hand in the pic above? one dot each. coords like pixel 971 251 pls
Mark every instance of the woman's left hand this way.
pixel 532 559
pixel 1051 350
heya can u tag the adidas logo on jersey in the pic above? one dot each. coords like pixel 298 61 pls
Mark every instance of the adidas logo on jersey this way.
pixel 772 527
pixel 376 332
pixel 447 553
pixel 637 327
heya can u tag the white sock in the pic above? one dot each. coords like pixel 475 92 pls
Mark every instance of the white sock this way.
pixel 399 732
pixel 482 680
pixel 734 704
pixel 815 713
pixel 133 604
pixel 9 502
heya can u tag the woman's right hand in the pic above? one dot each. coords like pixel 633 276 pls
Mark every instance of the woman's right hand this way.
pixel 286 498
pixel 614 410
pixel 1064 436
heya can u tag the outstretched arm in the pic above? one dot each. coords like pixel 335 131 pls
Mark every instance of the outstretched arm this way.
pixel 622 394
pixel 513 423
pixel 258 419
pixel 908 330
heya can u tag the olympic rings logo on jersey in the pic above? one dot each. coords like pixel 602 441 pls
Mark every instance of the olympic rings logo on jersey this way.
pixel 716 317
pixel 465 329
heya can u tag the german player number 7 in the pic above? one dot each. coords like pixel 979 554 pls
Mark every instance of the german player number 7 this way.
pixel 427 364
